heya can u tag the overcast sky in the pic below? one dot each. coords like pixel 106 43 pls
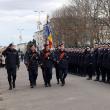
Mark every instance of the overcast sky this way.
pixel 19 14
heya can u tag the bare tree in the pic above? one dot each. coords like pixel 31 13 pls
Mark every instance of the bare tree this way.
pixel 82 22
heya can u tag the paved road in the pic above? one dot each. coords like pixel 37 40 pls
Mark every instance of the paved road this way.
pixel 78 94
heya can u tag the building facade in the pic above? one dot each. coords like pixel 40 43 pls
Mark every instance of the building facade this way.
pixel 22 47
pixel 39 37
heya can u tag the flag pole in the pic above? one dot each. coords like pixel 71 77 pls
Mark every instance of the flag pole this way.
pixel 46 40
pixel 47 19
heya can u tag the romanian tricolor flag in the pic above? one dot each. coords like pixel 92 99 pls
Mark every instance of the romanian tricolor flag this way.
pixel 50 39
pixel 48 34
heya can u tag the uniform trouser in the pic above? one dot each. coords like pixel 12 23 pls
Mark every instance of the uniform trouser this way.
pixel 78 69
pixel 85 70
pixel 47 74
pixel 33 73
pixel 70 68
pixel 90 70
pixel 82 70
pixel 108 75
pixel 57 72
pixel 74 68
pixel 11 75
pixel 103 73
pixel 43 73
pixel 98 72
pixel 63 74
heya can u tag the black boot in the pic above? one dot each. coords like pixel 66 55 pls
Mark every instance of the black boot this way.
pixel 97 79
pixel 89 78
pixel 46 85
pixel 14 86
pixel 34 83
pixel 49 84
pixel 58 82
pixel 10 86
pixel 63 82
pixel 31 85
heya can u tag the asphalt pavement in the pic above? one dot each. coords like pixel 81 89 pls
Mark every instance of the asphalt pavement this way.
pixel 77 94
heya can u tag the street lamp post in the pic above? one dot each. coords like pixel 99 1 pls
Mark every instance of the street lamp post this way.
pixel 20 34
pixel 39 20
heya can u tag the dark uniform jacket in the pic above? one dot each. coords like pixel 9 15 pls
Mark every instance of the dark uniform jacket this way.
pixel 105 58
pixel 96 55
pixel 100 57
pixel 55 56
pixel 82 59
pixel 90 58
pixel 31 59
pixel 46 58
pixel 12 58
pixel 63 59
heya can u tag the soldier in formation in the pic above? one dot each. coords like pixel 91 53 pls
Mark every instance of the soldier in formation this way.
pixel 91 62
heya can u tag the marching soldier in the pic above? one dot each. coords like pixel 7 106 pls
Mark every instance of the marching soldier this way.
pixel 32 61
pixel 46 65
pixel 12 63
pixel 62 64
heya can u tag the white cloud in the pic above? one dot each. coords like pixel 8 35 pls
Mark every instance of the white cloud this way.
pixel 20 13
pixel 30 4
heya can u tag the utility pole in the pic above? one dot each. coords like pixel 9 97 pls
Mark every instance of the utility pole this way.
pixel 20 34
pixel 39 23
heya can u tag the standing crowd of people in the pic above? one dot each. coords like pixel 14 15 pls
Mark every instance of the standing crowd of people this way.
pixel 91 62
